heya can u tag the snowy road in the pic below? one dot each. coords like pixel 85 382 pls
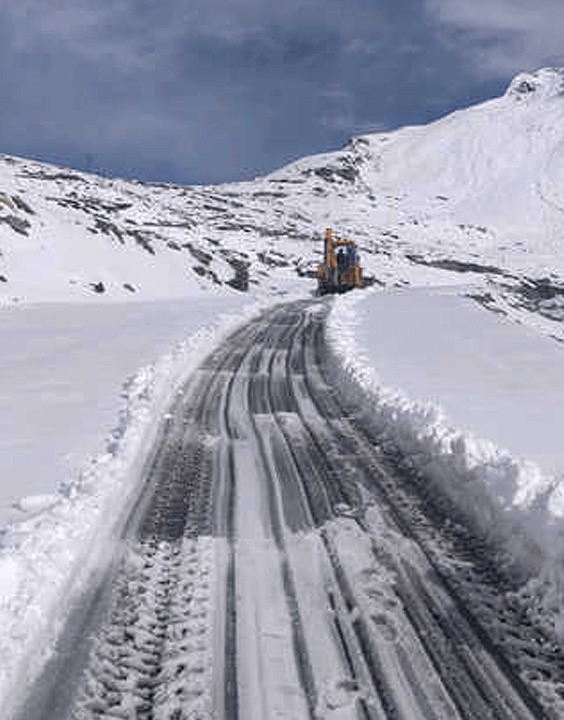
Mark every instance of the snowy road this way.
pixel 278 566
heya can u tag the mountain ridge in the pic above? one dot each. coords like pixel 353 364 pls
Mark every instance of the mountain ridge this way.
pixel 476 194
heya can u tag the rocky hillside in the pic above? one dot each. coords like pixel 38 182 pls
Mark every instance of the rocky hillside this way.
pixel 478 195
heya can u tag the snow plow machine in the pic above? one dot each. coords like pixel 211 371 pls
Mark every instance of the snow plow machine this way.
pixel 341 270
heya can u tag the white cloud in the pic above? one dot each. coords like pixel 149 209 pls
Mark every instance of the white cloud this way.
pixel 499 37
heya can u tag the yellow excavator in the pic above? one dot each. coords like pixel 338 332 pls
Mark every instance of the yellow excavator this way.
pixel 341 269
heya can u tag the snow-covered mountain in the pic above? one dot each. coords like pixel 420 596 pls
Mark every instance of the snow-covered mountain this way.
pixel 474 201
pixel 477 193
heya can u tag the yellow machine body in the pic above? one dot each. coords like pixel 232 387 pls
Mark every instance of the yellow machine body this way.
pixel 341 269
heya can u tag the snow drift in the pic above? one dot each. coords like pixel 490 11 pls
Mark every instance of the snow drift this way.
pixel 514 503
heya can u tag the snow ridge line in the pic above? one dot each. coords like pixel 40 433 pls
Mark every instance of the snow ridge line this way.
pixel 469 471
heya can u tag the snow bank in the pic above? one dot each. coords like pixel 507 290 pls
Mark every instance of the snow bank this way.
pixel 511 501
pixel 48 560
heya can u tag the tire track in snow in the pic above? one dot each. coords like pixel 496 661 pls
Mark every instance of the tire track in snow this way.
pixel 499 691
pixel 260 539
pixel 377 697
pixel 280 568
pixel 153 654
pixel 469 702
pixel 371 701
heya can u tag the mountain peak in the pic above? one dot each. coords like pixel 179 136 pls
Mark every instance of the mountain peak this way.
pixel 542 84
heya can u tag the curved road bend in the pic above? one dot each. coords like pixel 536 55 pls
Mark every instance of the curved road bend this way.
pixel 283 567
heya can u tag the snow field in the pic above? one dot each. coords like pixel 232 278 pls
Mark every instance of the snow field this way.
pixel 516 502
pixel 63 368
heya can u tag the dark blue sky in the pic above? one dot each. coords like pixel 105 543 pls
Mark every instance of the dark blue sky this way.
pixel 203 91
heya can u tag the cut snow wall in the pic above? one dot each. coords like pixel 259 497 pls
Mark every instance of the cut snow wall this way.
pixel 510 502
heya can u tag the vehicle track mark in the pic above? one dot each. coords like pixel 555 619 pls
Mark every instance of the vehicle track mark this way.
pixel 259 435
pixel 418 515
